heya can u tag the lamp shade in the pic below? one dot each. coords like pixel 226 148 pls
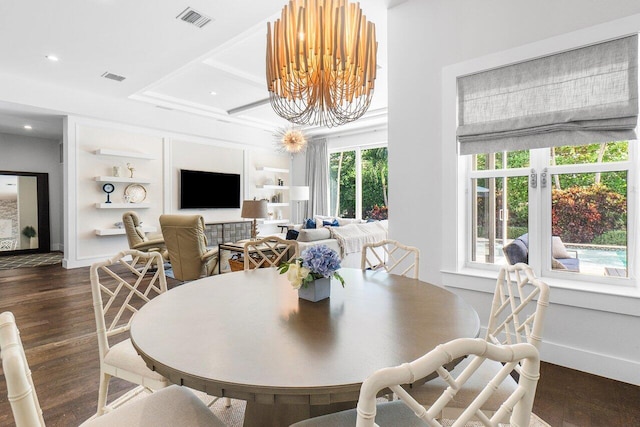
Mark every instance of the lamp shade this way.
pixel 299 193
pixel 254 209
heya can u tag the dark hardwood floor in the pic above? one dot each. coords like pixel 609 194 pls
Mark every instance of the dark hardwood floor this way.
pixel 53 309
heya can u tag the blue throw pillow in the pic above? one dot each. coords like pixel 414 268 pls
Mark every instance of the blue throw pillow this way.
pixel 333 223
pixel 292 234
pixel 309 223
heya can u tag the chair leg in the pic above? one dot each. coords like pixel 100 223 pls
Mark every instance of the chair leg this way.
pixel 102 393
pixel 227 402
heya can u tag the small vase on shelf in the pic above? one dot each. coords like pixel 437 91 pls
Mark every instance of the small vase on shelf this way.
pixel 316 290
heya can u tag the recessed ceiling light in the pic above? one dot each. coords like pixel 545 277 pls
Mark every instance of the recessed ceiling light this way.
pixel 52 58
pixel 28 127
pixel 213 93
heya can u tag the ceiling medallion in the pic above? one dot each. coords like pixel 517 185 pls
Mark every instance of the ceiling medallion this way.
pixel 321 62
pixel 291 140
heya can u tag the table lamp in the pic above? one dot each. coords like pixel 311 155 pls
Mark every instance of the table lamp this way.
pixel 299 194
pixel 254 209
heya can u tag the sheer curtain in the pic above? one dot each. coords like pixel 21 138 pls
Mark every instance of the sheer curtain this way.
pixel 317 178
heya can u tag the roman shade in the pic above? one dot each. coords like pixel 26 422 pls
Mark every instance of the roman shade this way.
pixel 581 96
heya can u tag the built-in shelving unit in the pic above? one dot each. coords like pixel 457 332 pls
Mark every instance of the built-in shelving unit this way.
pixel 270 191
pixel 118 153
pixel 120 231
pixel 123 205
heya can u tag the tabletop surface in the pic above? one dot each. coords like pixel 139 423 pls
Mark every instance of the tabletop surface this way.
pixel 248 332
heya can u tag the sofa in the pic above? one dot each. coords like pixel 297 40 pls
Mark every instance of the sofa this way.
pixel 518 251
pixel 346 239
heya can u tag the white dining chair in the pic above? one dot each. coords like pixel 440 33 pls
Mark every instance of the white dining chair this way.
pixel 270 251
pixel 120 286
pixel 517 315
pixel 407 412
pixel 392 257
pixel 172 406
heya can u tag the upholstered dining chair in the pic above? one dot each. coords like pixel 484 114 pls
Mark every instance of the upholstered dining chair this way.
pixel 516 407
pixel 120 286
pixel 187 246
pixel 171 406
pixel 391 256
pixel 270 251
pixel 517 314
pixel 136 236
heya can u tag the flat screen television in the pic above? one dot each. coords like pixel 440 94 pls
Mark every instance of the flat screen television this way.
pixel 209 190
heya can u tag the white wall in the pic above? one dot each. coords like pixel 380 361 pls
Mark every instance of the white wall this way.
pixel 25 154
pixel 169 153
pixel 423 38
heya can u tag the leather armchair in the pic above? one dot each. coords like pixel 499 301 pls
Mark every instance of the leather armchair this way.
pixel 138 239
pixel 187 246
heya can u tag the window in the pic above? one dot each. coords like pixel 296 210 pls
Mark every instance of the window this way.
pixel 358 183
pixel 575 197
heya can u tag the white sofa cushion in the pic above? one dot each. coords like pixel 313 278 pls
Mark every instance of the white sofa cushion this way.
pixel 311 235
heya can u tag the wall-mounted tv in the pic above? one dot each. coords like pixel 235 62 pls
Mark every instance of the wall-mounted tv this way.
pixel 209 190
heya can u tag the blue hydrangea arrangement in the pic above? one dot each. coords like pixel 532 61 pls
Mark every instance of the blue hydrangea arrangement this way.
pixel 314 263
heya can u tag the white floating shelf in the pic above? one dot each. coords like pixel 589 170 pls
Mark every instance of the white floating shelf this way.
pixel 117 153
pixel 274 187
pixel 276 221
pixel 122 179
pixel 277 204
pixel 120 231
pixel 123 205
pixel 277 170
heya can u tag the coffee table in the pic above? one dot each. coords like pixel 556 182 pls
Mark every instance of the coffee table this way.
pixel 246 335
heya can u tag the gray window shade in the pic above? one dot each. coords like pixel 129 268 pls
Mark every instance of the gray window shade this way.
pixel 581 96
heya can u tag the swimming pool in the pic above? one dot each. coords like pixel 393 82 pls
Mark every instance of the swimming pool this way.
pixel 601 257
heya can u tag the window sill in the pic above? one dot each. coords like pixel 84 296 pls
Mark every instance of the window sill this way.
pixel 573 293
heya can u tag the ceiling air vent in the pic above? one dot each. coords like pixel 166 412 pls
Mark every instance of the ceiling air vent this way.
pixel 108 75
pixel 194 17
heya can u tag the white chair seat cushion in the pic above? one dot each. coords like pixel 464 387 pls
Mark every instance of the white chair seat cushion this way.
pixel 124 356
pixel 172 406
pixel 427 393
pixel 393 413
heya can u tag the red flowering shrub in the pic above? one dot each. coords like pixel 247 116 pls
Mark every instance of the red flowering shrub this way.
pixel 378 212
pixel 579 214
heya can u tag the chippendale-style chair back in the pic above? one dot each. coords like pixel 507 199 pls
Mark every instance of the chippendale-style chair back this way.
pixel 519 306
pixel 171 406
pixel 120 287
pixel 391 256
pixel 270 251
pixel 516 407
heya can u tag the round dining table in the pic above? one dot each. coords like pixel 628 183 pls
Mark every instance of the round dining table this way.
pixel 247 335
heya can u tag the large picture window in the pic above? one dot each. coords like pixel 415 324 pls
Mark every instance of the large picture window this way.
pixel 575 197
pixel 358 183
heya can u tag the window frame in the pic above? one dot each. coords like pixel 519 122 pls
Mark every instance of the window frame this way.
pixel 358 165
pixel 539 218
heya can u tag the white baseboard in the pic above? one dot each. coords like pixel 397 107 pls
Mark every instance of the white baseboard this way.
pixel 604 365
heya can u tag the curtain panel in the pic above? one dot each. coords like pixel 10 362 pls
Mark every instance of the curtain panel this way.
pixel 582 96
pixel 317 178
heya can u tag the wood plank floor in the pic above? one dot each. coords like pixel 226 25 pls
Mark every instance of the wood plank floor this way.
pixel 53 309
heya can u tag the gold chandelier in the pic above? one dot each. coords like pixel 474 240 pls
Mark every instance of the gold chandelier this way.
pixel 321 62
